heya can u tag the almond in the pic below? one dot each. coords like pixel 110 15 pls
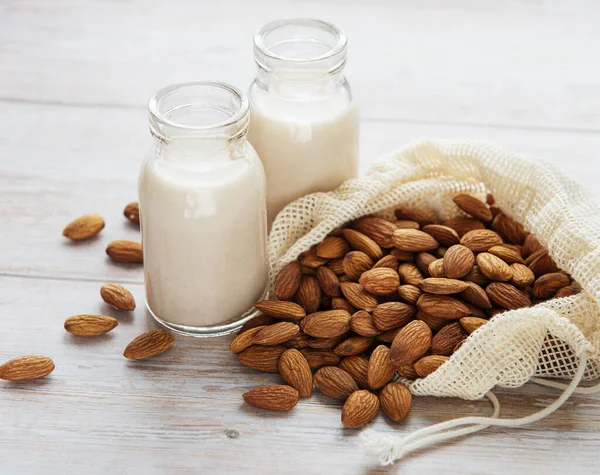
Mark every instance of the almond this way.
pixel 381 370
pixel 507 296
pixel 355 345
pixel 388 336
pixel 90 325
pixel 442 306
pixel 463 225
pixel 339 303
pixel 23 368
pixel 329 282
pixel 388 261
pixel 288 280
pixel 378 229
pixel 381 281
pixel 358 368
pixel 461 342
pixel 442 286
pixel 568 291
pixel 333 247
pixel 362 323
pixel 507 254
pixel 336 266
pixel 258 321
pixel 481 240
pixel 262 358
pixel 411 342
pixel 407 371
pixel 326 343
pixel 423 260
pixel 132 212
pixel 295 371
pixel 244 340
pixel 118 297
pixel 355 263
pixel 409 293
pixel 309 294
pixel 276 397
pixel 335 382
pixel 470 324
pixel 396 401
pixel 477 277
pixel 446 339
pixel 458 262
pixel 531 245
pixel 413 240
pixel 359 409
pixel 410 273
pixel 441 251
pixel 421 215
pixel 363 243
pixel 436 268
pixel 445 235
pixel 327 324
pixel 390 315
pixel 493 267
pixel 308 271
pixel 475 295
pixel 151 343
pixel 406 224
pixel 125 251
pixel 298 342
pixel 427 365
pixel 84 227
pixel 357 297
pixel 546 286
pixel 509 229
pixel 281 309
pixel 435 323
pixel 276 334
pixel 475 311
pixel 310 259
pixel 541 264
pixel 403 256
pixel 318 358
pixel 473 206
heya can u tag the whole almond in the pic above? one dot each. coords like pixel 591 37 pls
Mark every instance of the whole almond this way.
pixel 547 285
pixel 357 297
pixel 470 324
pixel 340 303
pixel 333 247
pixel 84 227
pixel 411 342
pixel 423 260
pixel 309 294
pixel 23 368
pixel 493 267
pixel 510 229
pixel 118 297
pixel 523 276
pixel 262 358
pixel 244 340
pixel 151 343
pixel 413 240
pixel 442 306
pixel 318 358
pixel 436 268
pixel 407 371
pixel 381 370
pixel 378 229
pixel 355 345
pixel 132 212
pixel 381 281
pixel 541 263
pixel 362 324
pixel 360 408
pixel 388 261
pixel 276 334
pixel 440 252
pixel 475 295
pixel 428 364
pixel 355 263
pixel 568 291
pixel 406 224
pixel 326 343
pixel 90 325
pixel 507 254
pixel 463 225
pixel 388 336
pixel 329 282
pixel 445 235
pixel 335 382
pixel 336 265
pixel 360 242
pixel 310 259
pixel 409 293
pixel 276 397
pixel 480 240
pixel 422 215
pixel 390 315
pixel 477 277
pixel 298 342
pixel 435 323
pixel 327 324
pixel 125 251
pixel 396 401
pixel 281 309
pixel 288 280
pixel 473 206
pixel 295 371
pixel 458 262
pixel 507 296
pixel 442 286
pixel 531 245
pixel 446 339
pixel 403 256
pixel 358 368
pixel 409 273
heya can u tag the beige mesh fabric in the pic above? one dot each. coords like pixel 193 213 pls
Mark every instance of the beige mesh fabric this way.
pixel 546 340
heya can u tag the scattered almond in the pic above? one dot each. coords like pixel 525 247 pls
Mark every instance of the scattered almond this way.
pixel 90 325
pixel 118 297
pixel 428 364
pixel 125 251
pixel 295 371
pixel 281 309
pixel 335 382
pixel 23 368
pixel 262 358
pixel 473 206
pixel 358 368
pixel 381 370
pixel 151 343
pixel 396 401
pixel 276 397
pixel 84 227
pixel 276 334
pixel 288 280
pixel 132 212
pixel 359 409
pixel 411 342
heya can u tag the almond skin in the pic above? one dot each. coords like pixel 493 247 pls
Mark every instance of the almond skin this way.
pixel 396 401
pixel 318 358
pixel 442 306
pixel 512 231
pixel 548 284
pixel 358 368
pixel 335 382
pixel 445 235
pixel 281 309
pixel 329 282
pixel 309 294
pixel 475 295
pixel 244 340
pixel 24 368
pixel 339 303
pixel 125 251
pixel 507 296
pixel 362 324
pixel 262 358
pixel 84 227
pixel 443 286
pixel 310 259
pixel 388 261
pixel 458 262
pixel 409 273
pixel 390 315
pixel 531 245
pixel 407 371
pixel 436 268
pixel 473 206
pixel 435 323
pixel 355 345
pixel 357 297
pixel 568 291
pixel 493 267
pixel 413 240
pixel 381 281
pixel 90 325
pixel 446 339
pixel 477 277
pixel 480 240
pixel 333 247
pixel 277 397
pixel 381 370
pixel 508 255
pixel 363 243
pixel 118 297
pixel 288 281
pixel 132 212
pixel 378 229
pixel 409 293
pixel 427 365
pixel 470 324
pixel 423 260
pixel 276 334
pixel 411 342
pixel 327 324
pixel 422 216
pixel 523 276
pixel 295 371
pixel 151 343
pixel 355 263
pixel 360 408
pixel 541 263
pixel 463 225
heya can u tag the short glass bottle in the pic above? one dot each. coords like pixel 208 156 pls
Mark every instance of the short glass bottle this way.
pixel 304 123
pixel 202 209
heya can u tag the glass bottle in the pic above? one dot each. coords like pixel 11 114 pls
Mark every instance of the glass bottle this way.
pixel 304 123
pixel 202 208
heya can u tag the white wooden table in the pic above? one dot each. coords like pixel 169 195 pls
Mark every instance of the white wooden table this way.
pixel 75 77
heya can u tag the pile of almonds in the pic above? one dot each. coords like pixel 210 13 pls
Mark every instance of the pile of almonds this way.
pixel 381 296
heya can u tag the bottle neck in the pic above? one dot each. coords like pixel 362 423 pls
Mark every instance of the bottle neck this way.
pixel 288 82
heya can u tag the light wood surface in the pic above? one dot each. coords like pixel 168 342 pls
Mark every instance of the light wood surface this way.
pixel 74 80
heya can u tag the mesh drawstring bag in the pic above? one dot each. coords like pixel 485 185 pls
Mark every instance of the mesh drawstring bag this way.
pixel 556 339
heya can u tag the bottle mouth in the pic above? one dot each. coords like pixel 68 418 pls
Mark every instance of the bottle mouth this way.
pixel 209 109
pixel 301 43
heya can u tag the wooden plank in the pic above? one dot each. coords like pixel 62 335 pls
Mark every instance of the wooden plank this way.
pixel 511 63
pixel 182 412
